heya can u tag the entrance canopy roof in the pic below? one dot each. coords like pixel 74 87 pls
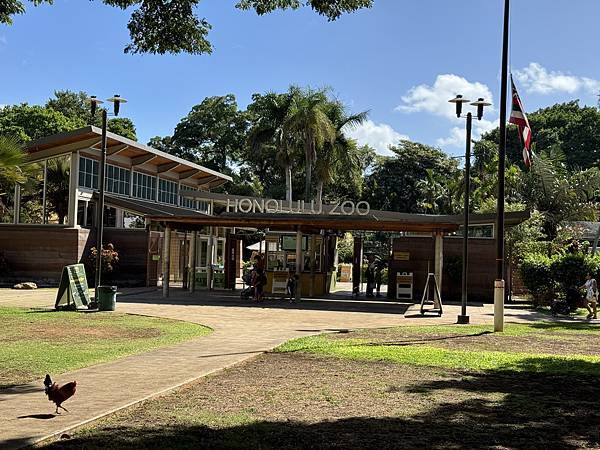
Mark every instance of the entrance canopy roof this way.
pixel 329 217
pixel 134 153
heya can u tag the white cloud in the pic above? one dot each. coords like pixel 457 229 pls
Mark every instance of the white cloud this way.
pixel 377 135
pixel 458 135
pixel 434 99
pixel 537 79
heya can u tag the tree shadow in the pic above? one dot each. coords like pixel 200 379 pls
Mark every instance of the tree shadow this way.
pixel 496 410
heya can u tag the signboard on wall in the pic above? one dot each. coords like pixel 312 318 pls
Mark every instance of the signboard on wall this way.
pixel 401 256
pixel 73 290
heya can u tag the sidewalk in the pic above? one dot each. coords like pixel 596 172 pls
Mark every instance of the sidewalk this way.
pixel 240 332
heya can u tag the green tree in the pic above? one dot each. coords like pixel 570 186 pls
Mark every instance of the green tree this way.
pixel 268 135
pixel 340 154
pixel 169 26
pixel 76 107
pixel 432 192
pixel 11 160
pixel 309 122
pixel 212 134
pixel 393 182
pixel 573 128
pixel 25 122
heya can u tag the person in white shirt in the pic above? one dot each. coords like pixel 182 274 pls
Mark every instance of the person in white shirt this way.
pixel 591 296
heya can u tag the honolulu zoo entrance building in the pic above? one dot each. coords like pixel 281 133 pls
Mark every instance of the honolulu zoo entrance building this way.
pixel 169 227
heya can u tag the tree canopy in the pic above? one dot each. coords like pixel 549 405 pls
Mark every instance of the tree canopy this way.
pixel 172 26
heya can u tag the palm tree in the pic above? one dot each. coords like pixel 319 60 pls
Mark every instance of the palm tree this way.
pixel 272 111
pixel 11 159
pixel 308 121
pixel 341 154
pixel 432 190
pixel 57 187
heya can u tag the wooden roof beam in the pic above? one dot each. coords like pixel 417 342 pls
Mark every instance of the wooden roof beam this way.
pixel 187 174
pixel 139 160
pixel 113 150
pixel 167 166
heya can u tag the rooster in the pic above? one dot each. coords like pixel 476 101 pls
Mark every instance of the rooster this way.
pixel 59 394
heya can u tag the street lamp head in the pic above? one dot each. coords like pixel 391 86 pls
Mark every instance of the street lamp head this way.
pixel 116 100
pixel 458 101
pixel 480 103
pixel 94 102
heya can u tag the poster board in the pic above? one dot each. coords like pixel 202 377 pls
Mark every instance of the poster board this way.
pixel 73 290
pixel 401 256
pixel 279 285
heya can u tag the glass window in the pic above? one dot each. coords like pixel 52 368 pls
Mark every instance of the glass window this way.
pixel 144 186
pixel 167 191
pixel 187 202
pixel 110 217
pixel 88 172
pixel 117 180
pixel 477 231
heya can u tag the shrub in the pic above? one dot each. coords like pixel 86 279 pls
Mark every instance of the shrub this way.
pixel 537 277
pixel 547 278
pixel 108 260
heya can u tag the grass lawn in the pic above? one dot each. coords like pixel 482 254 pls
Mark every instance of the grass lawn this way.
pixel 311 393
pixel 35 342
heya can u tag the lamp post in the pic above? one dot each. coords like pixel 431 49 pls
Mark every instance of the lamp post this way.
pixel 116 100
pixel 463 318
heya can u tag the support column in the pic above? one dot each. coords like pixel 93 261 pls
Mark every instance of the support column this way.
pixel 192 253
pixel 210 259
pixel 166 269
pixel 357 256
pixel 298 263
pixel 44 189
pixel 313 251
pixel 439 260
pixel 17 204
pixel 73 190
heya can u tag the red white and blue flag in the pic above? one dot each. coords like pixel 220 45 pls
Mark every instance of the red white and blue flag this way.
pixel 518 117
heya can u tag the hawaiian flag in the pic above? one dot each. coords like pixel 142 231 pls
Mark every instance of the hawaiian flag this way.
pixel 518 117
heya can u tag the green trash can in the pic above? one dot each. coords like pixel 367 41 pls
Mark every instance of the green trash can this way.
pixel 107 298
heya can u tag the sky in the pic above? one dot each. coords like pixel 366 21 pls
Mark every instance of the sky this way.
pixel 400 60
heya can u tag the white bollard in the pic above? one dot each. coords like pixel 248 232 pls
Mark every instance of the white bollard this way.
pixel 499 305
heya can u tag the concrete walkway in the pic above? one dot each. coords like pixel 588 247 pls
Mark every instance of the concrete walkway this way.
pixel 241 330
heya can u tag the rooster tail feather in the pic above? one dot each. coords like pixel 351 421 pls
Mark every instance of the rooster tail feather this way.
pixel 47 383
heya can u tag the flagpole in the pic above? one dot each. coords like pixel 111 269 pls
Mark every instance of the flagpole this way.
pixel 499 287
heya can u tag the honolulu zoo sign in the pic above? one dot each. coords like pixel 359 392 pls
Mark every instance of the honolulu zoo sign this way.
pixel 272 206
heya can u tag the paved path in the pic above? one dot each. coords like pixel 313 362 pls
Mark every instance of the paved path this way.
pixel 241 331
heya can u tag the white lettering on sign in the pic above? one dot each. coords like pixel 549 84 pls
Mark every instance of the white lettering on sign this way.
pixel 272 206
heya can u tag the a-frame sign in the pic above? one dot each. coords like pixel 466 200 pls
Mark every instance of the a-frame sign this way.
pixel 73 291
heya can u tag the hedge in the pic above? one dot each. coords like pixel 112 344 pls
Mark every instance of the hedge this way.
pixel 547 278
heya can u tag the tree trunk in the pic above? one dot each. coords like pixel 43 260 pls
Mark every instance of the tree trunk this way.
pixel 288 184
pixel 320 193
pixel 308 152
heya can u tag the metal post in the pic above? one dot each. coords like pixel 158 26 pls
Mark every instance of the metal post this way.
pixel 17 204
pixel 463 318
pixel 499 284
pixel 100 212
pixel 166 261
pixel 438 265
pixel 298 262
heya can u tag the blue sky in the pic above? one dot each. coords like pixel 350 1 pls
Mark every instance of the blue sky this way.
pixel 401 60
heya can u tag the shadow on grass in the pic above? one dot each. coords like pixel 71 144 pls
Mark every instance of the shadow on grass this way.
pixel 530 415
pixel 424 340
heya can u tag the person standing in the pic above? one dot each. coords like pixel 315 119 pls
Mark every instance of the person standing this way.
pixel 591 296
pixel 370 275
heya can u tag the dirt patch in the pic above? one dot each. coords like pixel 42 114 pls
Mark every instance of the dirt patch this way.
pixel 52 332
pixel 535 343
pixel 303 401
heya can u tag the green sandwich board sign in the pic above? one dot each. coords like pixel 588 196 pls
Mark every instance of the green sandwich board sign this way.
pixel 73 290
